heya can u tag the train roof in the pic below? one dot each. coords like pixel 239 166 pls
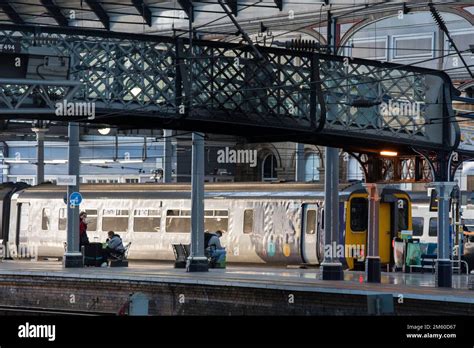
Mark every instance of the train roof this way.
pixel 183 190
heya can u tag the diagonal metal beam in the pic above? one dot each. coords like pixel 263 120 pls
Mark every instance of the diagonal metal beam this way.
pixel 144 10
pixel 187 6
pixel 279 4
pixel 100 12
pixel 10 12
pixel 233 5
pixel 55 12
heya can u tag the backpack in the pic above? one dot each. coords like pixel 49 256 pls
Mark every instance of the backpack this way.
pixel 207 238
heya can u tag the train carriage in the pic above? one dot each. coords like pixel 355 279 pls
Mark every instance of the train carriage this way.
pixel 278 223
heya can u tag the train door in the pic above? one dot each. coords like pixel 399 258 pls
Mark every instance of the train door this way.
pixel 308 233
pixel 385 232
pixel 320 235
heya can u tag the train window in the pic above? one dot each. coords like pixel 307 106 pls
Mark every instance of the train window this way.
pixel 62 222
pixel 310 221
pixel 178 221
pixel 359 214
pixel 146 220
pixel 418 223
pixel 45 219
pixel 402 206
pixel 216 220
pixel 91 219
pixel 115 220
pixel 433 228
pixel 248 221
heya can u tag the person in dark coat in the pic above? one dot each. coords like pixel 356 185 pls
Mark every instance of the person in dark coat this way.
pixel 83 239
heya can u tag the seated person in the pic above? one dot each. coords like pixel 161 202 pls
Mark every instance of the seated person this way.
pixel 114 247
pixel 217 251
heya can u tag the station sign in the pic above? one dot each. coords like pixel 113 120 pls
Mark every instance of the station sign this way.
pixel 75 199
pixel 66 180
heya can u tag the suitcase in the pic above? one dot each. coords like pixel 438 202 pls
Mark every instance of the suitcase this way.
pixel 93 255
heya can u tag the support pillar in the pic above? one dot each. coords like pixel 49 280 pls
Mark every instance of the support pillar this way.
pixel 444 271
pixel 372 262
pixel 73 256
pixel 331 266
pixel 40 132
pixel 299 177
pixel 197 261
pixel 168 156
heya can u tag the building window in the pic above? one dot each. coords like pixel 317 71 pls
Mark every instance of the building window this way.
pixel 369 48
pixel 413 46
pixel 115 220
pixel 311 167
pixel 268 168
pixel 132 181
pixel 146 220
pixel 248 221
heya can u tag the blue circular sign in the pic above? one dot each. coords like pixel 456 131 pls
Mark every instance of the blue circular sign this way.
pixel 75 199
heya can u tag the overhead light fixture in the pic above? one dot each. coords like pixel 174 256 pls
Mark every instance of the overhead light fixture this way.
pixel 56 161
pixel 96 161
pixel 137 160
pixel 15 160
pixel 388 153
pixel 104 131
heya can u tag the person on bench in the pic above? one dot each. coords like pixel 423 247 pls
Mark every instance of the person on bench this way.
pixel 114 247
pixel 217 251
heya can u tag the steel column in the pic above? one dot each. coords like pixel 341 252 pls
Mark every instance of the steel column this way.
pixel 300 165
pixel 372 263
pixel 73 256
pixel 40 132
pixel 444 272
pixel 168 156
pixel 197 261
pixel 331 266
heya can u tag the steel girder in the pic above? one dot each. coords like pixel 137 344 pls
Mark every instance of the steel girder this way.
pixel 359 105
pixel 35 97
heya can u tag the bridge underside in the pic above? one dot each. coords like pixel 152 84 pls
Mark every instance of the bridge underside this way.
pixel 145 81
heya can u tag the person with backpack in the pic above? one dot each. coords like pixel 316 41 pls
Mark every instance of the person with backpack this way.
pixel 114 247
pixel 217 251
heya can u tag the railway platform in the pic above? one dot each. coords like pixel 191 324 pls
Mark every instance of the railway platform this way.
pixel 236 290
